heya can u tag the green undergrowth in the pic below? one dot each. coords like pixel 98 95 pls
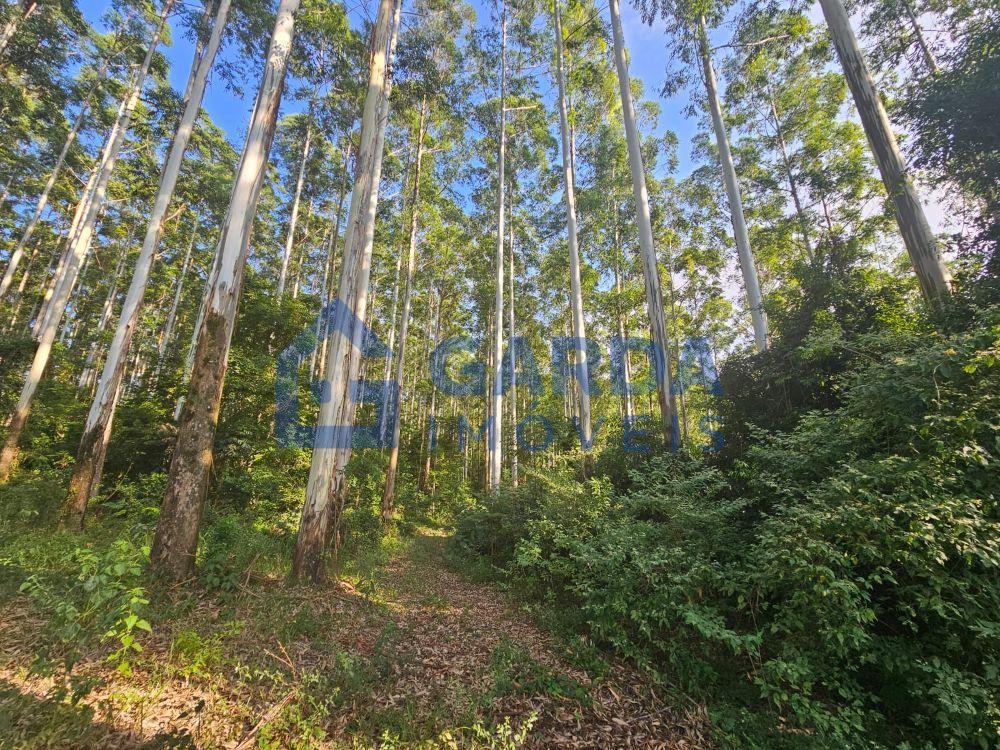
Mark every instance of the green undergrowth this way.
pixel 831 583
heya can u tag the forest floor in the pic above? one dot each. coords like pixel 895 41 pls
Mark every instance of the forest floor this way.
pixel 413 653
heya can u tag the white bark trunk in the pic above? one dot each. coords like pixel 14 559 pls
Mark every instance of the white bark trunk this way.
pixel 388 493
pixel 650 267
pixel 294 218
pixel 511 361
pixel 933 275
pixel 576 291
pixel 18 16
pixel 176 538
pixel 741 234
pixel 80 248
pixel 929 59
pixel 168 328
pixel 495 428
pixel 330 457
pixel 90 458
pixel 328 289
pixel 89 372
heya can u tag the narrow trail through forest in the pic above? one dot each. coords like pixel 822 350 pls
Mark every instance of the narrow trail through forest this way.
pixel 463 637
pixel 416 654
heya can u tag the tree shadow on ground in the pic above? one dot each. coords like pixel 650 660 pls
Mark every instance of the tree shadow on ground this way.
pixel 28 722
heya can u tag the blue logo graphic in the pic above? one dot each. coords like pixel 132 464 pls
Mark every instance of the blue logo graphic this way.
pixel 466 376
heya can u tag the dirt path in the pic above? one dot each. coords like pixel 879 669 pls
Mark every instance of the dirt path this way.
pixel 463 637
pixel 414 655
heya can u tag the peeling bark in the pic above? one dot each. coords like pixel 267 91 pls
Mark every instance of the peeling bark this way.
pixel 176 540
pixel 324 491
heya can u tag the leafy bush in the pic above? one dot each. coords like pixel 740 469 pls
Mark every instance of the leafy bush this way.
pixel 106 599
pixel 843 572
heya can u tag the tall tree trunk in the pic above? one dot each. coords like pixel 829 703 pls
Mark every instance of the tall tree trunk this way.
pixel 790 176
pixel 741 234
pixel 18 15
pixel 331 452
pixel 80 249
pixel 296 199
pixel 627 411
pixel 86 380
pixel 576 292
pixel 388 494
pixel 494 432
pixel 929 59
pixel 933 275
pixel 168 327
pixel 328 291
pixel 86 476
pixel 425 473
pixel 43 199
pixel 391 346
pixel 82 207
pixel 176 539
pixel 511 359
pixel 650 267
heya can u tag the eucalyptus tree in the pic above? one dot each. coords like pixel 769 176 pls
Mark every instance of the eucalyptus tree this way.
pixel 176 538
pixel 86 476
pixel 650 263
pixel 89 81
pixel 78 248
pixel 688 27
pixel 332 449
pixel 921 244
pixel 576 293
pixel 419 138
pixel 428 61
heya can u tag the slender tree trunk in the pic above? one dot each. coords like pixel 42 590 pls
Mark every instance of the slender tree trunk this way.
pixel 43 199
pixel 511 361
pixel 168 328
pixel 89 372
pixel 296 198
pixel 790 176
pixel 388 494
pixel 332 450
pixel 626 366
pixel 328 291
pixel 82 207
pixel 304 257
pixel 86 476
pixel 17 16
pixel 933 275
pixel 425 473
pixel 929 59
pixel 391 345
pixel 494 432
pixel 740 232
pixel 80 249
pixel 328 241
pixel 576 292
pixel 650 267
pixel 176 539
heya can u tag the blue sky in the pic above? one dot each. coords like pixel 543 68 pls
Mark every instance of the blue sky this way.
pixel 646 47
